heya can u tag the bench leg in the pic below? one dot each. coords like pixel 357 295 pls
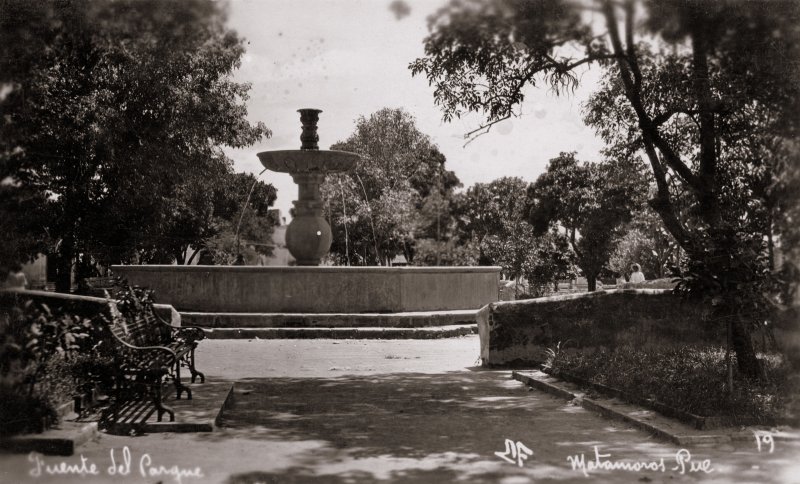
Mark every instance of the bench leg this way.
pixel 179 386
pixel 193 369
pixel 160 407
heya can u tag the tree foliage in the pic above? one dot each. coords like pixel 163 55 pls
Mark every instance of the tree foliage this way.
pixel 375 211
pixel 115 113
pixel 241 222
pixel 706 90
pixel 490 209
pixel 449 252
pixel 492 217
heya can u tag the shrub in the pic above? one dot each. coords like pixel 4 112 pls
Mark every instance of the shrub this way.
pixel 23 413
pixel 691 379
pixel 37 350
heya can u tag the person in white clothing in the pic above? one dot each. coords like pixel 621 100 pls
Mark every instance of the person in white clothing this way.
pixel 636 275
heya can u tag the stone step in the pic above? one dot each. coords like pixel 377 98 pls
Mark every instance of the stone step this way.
pixel 329 320
pixel 431 332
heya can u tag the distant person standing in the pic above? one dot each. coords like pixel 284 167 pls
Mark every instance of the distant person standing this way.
pixel 636 275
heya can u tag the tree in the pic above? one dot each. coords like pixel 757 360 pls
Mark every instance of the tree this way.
pixel 540 259
pixel 434 230
pixel 681 93
pixel 374 211
pixel 241 222
pixel 114 112
pixel 551 260
pixel 492 217
pixel 430 252
pixel 592 202
pixel 490 209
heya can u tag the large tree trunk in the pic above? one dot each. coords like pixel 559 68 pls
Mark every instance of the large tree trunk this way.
pixel 591 282
pixel 180 255
pixel 64 260
pixel 84 269
pixel 742 343
pixel 704 182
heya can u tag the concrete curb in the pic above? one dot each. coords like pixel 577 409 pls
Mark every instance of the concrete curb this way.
pixel 687 437
pixel 433 332
pixel 61 441
pixel 607 412
pixel 227 403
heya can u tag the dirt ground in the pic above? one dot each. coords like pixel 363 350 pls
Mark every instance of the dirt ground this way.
pixel 358 411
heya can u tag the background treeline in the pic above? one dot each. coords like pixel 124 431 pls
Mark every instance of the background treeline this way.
pixel 576 218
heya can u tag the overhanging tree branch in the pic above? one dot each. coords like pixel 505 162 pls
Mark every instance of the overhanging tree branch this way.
pixel 476 133
pixel 662 204
pixel 649 130
pixel 668 114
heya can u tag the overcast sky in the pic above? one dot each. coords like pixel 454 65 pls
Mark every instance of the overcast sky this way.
pixel 350 58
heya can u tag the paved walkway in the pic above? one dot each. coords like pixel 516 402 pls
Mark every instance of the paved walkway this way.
pixel 394 410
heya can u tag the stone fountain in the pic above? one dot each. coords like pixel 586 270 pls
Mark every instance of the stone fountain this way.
pixel 308 236
pixel 275 301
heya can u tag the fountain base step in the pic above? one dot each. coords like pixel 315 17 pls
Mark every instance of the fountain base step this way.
pixel 431 332
pixel 421 319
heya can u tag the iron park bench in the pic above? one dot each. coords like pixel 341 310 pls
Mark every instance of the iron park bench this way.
pixel 149 351
pixel 183 341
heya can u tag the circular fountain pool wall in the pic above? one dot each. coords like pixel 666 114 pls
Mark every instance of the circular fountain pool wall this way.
pixel 257 289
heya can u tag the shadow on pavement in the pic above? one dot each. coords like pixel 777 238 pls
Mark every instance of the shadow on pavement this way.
pixel 417 427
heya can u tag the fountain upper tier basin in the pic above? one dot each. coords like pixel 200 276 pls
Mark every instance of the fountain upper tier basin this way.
pixel 308 161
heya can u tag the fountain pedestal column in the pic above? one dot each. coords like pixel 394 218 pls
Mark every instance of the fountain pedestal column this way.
pixel 308 236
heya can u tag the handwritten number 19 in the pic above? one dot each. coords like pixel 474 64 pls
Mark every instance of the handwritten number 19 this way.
pixel 766 439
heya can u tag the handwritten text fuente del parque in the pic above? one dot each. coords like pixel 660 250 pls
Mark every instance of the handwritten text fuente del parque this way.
pixel 121 464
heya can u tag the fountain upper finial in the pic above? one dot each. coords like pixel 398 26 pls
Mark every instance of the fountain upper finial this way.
pixel 309 136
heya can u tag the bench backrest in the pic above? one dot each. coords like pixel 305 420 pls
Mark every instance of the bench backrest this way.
pixel 141 331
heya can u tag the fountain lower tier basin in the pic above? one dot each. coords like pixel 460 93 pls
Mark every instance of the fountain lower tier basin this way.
pixel 259 289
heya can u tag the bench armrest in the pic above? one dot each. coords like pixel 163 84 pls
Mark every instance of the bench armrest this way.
pixel 192 333
pixel 133 347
